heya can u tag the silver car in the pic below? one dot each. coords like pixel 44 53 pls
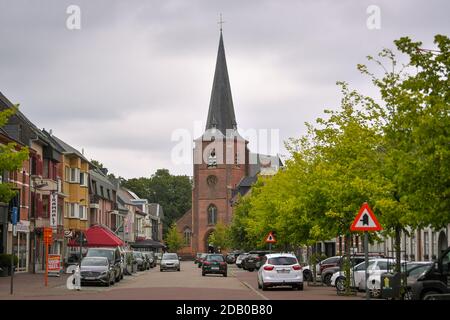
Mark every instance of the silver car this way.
pixel 97 270
pixel 170 261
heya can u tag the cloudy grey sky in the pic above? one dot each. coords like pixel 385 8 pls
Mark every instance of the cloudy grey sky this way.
pixel 138 70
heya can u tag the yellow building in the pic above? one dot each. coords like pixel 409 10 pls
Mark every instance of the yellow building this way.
pixel 75 187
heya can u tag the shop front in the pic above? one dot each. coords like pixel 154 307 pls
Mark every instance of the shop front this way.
pixel 21 245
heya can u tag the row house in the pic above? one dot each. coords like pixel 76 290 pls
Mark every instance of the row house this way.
pixel 21 184
pixel 74 187
pixel 103 206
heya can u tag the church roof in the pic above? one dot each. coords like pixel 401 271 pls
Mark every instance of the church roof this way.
pixel 221 110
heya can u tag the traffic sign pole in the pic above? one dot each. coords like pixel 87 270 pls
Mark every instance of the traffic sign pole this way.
pixel 366 256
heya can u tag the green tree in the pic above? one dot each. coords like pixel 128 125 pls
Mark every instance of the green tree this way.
pixel 173 193
pixel 174 240
pixel 12 157
pixel 220 237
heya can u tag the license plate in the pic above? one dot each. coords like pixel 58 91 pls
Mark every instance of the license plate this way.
pixel 283 271
pixel 90 278
pixel 214 268
pixel 251 260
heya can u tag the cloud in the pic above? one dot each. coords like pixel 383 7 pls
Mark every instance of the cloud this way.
pixel 138 70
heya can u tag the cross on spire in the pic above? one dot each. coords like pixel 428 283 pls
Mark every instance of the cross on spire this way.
pixel 221 22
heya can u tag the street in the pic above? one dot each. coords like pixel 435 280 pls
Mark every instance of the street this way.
pixel 188 284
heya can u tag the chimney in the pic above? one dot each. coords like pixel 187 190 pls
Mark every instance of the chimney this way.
pixel 104 170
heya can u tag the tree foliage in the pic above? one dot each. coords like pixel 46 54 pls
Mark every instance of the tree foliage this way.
pixel 174 241
pixel 173 193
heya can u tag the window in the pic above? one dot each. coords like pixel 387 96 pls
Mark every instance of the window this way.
pixel 74 175
pixel 433 243
pixel 212 214
pixel 101 191
pixel 109 195
pixel 66 173
pixel 45 206
pixel 187 236
pixel 66 209
pixel 82 212
pixel 83 179
pixel 46 173
pixel 426 245
pixel 74 210
pixel 212 159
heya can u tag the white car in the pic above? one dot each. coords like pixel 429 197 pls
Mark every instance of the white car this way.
pixel 375 269
pixel 239 259
pixel 280 269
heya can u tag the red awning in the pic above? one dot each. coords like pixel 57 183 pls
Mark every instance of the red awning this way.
pixel 98 236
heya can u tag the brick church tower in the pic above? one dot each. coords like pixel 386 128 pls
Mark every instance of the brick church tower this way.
pixel 221 160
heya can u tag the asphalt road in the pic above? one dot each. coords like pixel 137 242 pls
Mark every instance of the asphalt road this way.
pixel 188 284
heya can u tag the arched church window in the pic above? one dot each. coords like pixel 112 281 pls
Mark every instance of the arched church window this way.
pixel 212 214
pixel 212 158
pixel 187 236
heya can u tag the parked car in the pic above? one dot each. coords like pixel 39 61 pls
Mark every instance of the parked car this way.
pixel 280 269
pixel 114 257
pixel 240 258
pixel 151 258
pixel 253 260
pixel 197 256
pixel 375 269
pixel 328 272
pixel 140 259
pixel 97 270
pixel 230 258
pixel 214 263
pixel 200 259
pixel 170 261
pixel 428 282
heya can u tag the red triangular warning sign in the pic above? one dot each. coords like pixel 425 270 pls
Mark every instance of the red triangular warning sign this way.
pixel 365 220
pixel 270 238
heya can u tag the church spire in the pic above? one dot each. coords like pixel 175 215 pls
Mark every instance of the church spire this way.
pixel 221 111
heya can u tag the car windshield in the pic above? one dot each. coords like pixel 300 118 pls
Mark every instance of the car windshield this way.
pixel 170 256
pixel 282 261
pixel 253 255
pixel 94 262
pixel 217 258
pixel 242 256
pixel 418 270
pixel 101 253
pixel 137 254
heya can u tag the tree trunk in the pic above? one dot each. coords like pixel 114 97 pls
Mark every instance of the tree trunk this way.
pixel 347 263
pixel 398 231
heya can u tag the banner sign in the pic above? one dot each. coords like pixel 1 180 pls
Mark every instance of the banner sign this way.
pixel 53 209
pixel 54 263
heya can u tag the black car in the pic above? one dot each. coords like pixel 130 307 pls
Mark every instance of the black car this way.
pixel 141 261
pixel 429 281
pixel 114 258
pixel 253 260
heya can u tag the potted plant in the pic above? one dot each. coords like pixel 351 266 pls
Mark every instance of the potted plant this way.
pixel 5 264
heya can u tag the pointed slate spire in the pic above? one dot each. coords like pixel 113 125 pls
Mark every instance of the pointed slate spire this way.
pixel 221 111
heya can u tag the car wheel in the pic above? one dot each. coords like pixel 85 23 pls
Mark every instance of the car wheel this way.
pixel 307 275
pixel 113 280
pixel 327 279
pixel 225 274
pixel 264 287
pixel 203 274
pixel 300 287
pixel 160 269
pixel 251 270
pixel 340 284
pixel 178 269
pixel 429 295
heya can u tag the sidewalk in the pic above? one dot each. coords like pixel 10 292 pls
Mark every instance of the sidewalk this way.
pixel 26 284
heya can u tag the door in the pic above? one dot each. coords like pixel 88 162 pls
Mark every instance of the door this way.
pixel 445 263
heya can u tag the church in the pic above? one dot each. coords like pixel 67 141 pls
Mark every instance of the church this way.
pixel 223 166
